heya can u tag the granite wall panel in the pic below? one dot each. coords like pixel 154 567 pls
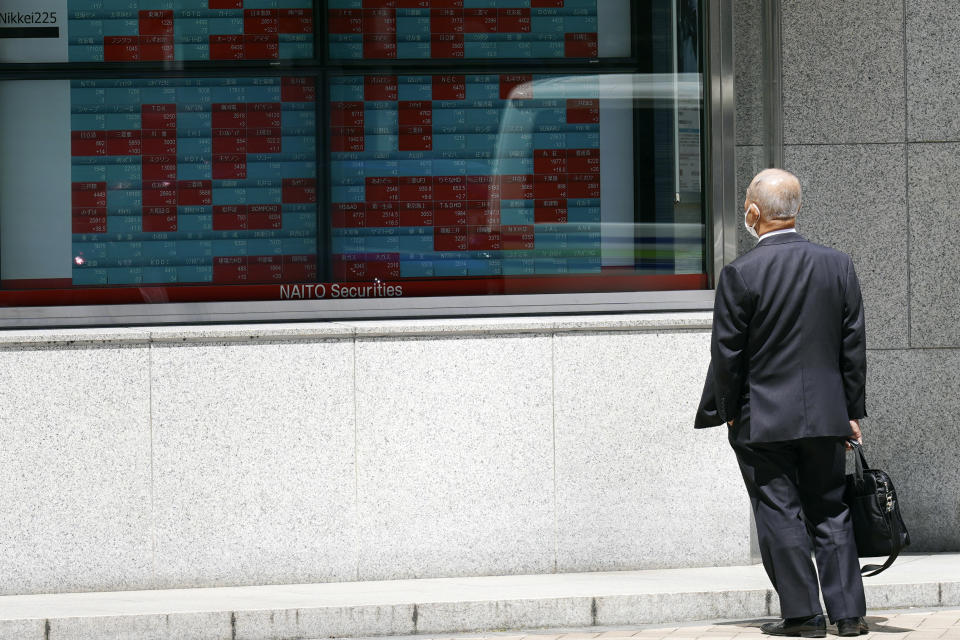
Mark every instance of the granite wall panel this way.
pixel 750 162
pixel 854 199
pixel 933 55
pixel 254 478
pixel 934 253
pixel 749 72
pixel 842 71
pixel 637 486
pixel 455 456
pixel 913 400
pixel 75 469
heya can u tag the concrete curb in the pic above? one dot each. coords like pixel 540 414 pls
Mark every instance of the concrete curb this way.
pixel 441 605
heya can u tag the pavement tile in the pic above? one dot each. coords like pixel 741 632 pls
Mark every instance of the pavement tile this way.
pixel 906 625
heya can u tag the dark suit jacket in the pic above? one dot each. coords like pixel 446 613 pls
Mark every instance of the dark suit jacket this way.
pixel 788 349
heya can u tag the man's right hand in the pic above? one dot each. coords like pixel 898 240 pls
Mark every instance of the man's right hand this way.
pixel 855 433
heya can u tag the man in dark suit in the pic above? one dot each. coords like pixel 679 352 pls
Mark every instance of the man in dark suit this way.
pixel 787 375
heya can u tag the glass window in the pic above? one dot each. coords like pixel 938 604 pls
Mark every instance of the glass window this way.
pixel 479 183
pixel 161 181
pixel 97 31
pixel 207 150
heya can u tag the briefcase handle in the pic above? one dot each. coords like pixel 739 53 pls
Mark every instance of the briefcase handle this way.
pixel 860 459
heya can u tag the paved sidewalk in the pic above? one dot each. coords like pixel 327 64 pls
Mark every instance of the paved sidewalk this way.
pixel 901 624
pixel 440 606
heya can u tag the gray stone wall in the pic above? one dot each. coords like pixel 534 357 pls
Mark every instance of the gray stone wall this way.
pixel 871 125
pixel 749 87
pixel 186 457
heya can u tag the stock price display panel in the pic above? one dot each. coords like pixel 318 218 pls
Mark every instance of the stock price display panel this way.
pixel 478 29
pixel 193 180
pixel 472 175
pixel 165 30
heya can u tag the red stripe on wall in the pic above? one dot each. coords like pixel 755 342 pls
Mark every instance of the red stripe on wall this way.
pixel 350 290
pixel 37 283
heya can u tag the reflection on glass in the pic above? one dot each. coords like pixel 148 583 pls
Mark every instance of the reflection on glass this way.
pixel 461 176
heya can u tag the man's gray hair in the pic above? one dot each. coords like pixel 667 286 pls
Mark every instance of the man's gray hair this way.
pixel 777 193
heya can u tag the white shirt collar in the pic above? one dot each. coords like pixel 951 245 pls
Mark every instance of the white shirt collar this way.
pixel 770 234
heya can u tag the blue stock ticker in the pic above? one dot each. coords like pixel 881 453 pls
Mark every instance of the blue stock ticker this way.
pixel 431 178
pixel 432 29
pixel 193 180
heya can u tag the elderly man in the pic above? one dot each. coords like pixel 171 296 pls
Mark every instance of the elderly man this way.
pixel 787 376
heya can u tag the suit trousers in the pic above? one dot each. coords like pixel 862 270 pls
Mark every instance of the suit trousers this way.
pixel 796 491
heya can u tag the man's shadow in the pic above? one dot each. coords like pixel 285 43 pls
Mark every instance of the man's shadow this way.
pixel 876 624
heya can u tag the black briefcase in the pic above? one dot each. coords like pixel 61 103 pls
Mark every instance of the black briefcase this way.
pixel 875 510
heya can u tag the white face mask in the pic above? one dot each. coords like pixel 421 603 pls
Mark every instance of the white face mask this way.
pixel 751 230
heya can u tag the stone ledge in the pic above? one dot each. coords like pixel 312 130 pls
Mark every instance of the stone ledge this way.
pixel 646 322
pixel 66 337
pixel 446 605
